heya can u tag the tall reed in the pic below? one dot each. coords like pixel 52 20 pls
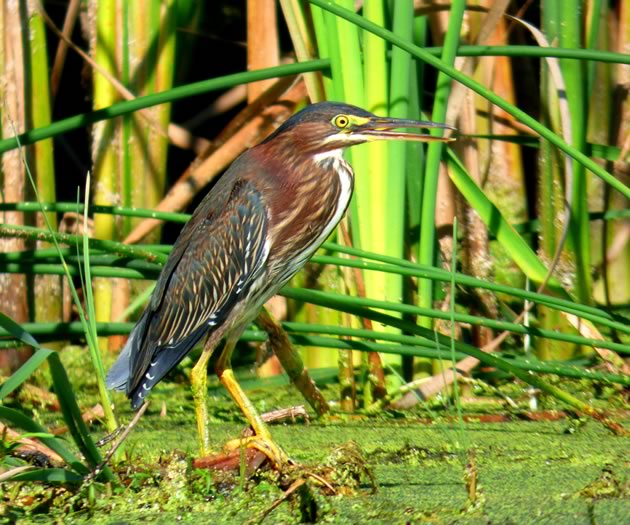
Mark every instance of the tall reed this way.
pixel 135 43
pixel 25 93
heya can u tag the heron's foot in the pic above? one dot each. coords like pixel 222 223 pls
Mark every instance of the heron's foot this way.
pixel 266 445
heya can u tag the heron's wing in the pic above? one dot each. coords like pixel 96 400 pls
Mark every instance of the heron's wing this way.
pixel 214 263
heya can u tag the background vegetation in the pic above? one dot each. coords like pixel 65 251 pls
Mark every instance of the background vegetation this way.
pixel 501 257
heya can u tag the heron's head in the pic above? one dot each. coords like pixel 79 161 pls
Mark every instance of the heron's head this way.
pixel 330 126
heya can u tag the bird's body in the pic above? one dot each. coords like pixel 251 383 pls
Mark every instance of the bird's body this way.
pixel 251 233
pixel 233 255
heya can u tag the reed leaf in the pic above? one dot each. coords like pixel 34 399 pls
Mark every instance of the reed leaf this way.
pixel 19 420
pixel 519 114
pixel 197 88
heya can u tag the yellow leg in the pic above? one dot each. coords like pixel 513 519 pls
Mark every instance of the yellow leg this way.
pixel 199 380
pixel 262 440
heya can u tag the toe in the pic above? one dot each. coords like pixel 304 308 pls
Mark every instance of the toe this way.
pixel 268 447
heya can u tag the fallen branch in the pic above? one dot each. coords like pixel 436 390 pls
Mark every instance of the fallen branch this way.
pixel 30 446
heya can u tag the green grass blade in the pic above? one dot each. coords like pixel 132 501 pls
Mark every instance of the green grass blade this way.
pixel 486 358
pixel 171 95
pixel 537 52
pixel 513 243
pixel 339 301
pixel 91 333
pixel 23 373
pixel 65 394
pixel 205 86
pixel 29 232
pixel 362 340
pixel 139 270
pixel 73 417
pixel 49 475
pixel 600 151
pixel 570 33
pixel 427 246
pixel 17 331
pixel 95 210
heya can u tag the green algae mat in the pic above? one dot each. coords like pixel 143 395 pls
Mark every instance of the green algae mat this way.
pixel 527 472
pixel 386 469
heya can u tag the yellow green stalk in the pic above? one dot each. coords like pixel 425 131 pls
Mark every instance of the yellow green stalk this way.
pixel 105 15
pixel 343 47
pixel 304 44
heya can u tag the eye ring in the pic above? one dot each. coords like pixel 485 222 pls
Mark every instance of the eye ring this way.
pixel 341 121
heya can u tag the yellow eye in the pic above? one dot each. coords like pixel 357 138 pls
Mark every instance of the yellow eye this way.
pixel 341 121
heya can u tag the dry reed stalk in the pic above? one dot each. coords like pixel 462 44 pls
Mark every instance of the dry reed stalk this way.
pixel 262 42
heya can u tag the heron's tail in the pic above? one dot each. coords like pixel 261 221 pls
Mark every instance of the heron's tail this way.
pixel 118 375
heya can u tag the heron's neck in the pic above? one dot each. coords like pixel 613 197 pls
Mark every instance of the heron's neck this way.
pixel 298 170
pixel 333 160
pixel 327 158
pixel 313 194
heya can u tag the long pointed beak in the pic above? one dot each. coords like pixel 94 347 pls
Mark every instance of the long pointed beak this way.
pixel 382 128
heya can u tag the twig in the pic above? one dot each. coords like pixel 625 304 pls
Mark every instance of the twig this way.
pixel 35 395
pixel 222 104
pixel 278 415
pixel 294 486
pixel 285 413
pixel 110 437
pixel 321 480
pixel 292 362
pixel 62 48
pixel 425 388
pixel 92 475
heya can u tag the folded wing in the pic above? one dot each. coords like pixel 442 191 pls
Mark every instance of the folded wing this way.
pixel 214 262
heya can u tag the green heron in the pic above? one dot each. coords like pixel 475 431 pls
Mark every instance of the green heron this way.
pixel 252 232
